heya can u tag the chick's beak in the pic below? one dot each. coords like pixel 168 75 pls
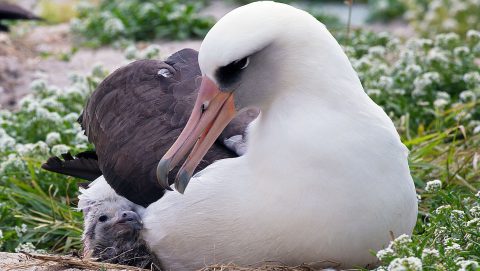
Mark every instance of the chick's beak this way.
pixel 213 110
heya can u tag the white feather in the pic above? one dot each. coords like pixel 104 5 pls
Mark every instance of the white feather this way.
pixel 325 176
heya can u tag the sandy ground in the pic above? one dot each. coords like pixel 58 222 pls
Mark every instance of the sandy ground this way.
pixel 15 262
pixel 19 261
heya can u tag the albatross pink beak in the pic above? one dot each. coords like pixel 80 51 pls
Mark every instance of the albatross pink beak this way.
pixel 213 110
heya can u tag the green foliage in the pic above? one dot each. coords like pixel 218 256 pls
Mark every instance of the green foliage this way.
pixel 55 12
pixel 385 10
pixel 332 22
pixel 439 16
pixel 423 78
pixel 446 238
pixel 139 20
pixel 36 205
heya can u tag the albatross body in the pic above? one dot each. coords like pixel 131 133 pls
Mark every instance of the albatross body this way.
pixel 325 177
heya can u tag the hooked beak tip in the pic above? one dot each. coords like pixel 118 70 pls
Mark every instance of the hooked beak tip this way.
pixel 183 178
pixel 162 173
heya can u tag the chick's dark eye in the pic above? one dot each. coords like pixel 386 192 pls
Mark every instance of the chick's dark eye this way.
pixel 103 218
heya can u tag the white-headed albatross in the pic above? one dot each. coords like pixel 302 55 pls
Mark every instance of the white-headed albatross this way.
pixel 325 177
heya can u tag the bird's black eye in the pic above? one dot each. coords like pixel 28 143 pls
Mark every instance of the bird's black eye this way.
pixel 103 218
pixel 230 73
pixel 242 63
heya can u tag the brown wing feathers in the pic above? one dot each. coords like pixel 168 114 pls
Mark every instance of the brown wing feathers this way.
pixel 84 165
pixel 136 114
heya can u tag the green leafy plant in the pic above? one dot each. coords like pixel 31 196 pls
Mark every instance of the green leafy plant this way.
pixel 136 20
pixel 385 10
pixel 439 16
pixel 423 78
pixel 36 206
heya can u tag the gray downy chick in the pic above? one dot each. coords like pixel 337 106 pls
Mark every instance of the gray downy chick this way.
pixel 112 226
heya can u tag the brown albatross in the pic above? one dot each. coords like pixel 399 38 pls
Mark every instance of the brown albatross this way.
pixel 134 116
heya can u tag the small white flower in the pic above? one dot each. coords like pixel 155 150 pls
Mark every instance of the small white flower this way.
pixel 385 82
pixel 437 56
pixel 446 40
pixel 71 117
pixel 53 138
pixel 98 70
pixel 430 253
pixel 81 138
pixel 373 92
pixel 475 211
pixel 473 35
pixel 21 230
pixel 38 85
pixel 406 264
pixel 472 78
pixel 452 248
pixel 146 8
pixel 440 103
pixel 473 222
pixel 131 52
pixel 416 44
pixel 433 186
pixel 413 69
pixel 152 51
pixel 27 247
pixel 60 149
pixel 467 96
pixel 467 265
pixel 440 231
pixel 38 149
pixel 385 253
pixel 457 214
pixel 443 209
pixel 400 241
pixel 449 24
pixel 443 95
pixel 52 103
pixel 461 51
pixel 114 25
pixel 377 51
pixel 13 163
pixel 1 234
pixel 6 141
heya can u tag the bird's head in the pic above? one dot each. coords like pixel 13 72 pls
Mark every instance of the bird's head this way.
pixel 112 223
pixel 253 56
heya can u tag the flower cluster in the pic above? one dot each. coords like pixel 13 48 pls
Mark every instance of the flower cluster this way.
pixel 433 186
pixel 150 52
pixel 44 124
pixel 439 16
pixel 111 21
pixel 422 79
pixel 447 239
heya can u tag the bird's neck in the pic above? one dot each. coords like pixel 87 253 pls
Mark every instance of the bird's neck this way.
pixel 306 111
